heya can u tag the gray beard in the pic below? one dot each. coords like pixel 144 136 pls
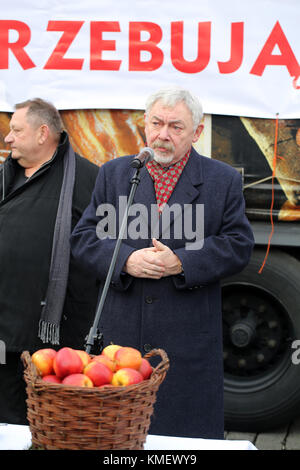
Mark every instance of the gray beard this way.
pixel 163 160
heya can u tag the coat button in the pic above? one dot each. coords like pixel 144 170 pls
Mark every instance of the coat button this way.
pixel 149 299
pixel 147 347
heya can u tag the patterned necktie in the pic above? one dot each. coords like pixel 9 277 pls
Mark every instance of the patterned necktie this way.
pixel 165 179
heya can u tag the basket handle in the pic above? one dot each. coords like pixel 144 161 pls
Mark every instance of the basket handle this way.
pixel 29 368
pixel 25 356
pixel 163 366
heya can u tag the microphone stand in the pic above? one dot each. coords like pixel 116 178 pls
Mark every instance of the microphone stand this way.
pixel 94 335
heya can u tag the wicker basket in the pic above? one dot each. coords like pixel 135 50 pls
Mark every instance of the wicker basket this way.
pixel 67 417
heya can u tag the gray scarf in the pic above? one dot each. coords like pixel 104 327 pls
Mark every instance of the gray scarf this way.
pixel 60 257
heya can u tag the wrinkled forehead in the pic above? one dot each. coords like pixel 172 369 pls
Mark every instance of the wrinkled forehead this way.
pixel 177 112
pixel 19 113
pixel 22 117
pixel 19 117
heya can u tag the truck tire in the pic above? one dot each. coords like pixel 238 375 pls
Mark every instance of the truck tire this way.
pixel 261 326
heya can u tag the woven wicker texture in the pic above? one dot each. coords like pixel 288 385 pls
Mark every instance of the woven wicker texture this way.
pixel 79 418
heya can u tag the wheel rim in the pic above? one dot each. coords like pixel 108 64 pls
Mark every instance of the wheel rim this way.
pixel 257 336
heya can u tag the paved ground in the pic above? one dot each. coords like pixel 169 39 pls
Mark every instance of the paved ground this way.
pixel 285 438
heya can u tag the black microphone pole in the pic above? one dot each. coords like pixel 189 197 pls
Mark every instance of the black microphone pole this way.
pixel 94 334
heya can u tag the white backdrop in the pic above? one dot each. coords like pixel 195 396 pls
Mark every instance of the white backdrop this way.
pixel 240 57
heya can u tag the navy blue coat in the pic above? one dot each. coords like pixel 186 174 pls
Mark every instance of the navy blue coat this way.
pixel 180 314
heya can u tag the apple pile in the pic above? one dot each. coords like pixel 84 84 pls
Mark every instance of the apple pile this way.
pixel 115 366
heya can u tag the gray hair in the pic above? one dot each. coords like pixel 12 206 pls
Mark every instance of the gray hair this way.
pixel 42 112
pixel 171 96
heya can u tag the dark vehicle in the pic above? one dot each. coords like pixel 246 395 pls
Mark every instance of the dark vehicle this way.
pixel 261 305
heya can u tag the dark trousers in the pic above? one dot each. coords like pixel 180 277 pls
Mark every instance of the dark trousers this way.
pixel 13 408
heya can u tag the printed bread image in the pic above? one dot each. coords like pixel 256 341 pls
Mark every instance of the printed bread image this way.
pixel 287 169
pixel 101 135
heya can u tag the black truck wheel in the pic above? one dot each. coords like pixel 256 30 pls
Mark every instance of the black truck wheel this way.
pixel 261 326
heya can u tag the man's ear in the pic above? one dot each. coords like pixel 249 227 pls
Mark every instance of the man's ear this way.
pixel 198 132
pixel 43 134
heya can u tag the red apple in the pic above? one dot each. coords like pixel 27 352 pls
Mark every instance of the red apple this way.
pixel 84 356
pixel 126 376
pixel 98 373
pixel 77 380
pixel 52 378
pixel 67 362
pixel 110 350
pixel 43 360
pixel 145 368
pixel 106 361
pixel 128 357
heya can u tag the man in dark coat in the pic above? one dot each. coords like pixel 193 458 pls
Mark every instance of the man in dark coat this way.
pixel 186 231
pixel 44 188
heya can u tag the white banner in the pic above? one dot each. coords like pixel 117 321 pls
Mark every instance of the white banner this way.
pixel 240 57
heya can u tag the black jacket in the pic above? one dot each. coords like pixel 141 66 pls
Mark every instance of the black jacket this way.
pixel 27 217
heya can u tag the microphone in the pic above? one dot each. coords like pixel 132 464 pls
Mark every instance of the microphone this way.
pixel 145 155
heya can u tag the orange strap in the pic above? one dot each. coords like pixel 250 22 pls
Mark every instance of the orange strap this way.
pixel 273 194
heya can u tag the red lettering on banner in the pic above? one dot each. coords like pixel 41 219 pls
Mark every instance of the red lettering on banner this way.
pixel 17 47
pixel 196 66
pixel 98 45
pixel 286 58
pixel 136 46
pixel 236 49
pixel 57 61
